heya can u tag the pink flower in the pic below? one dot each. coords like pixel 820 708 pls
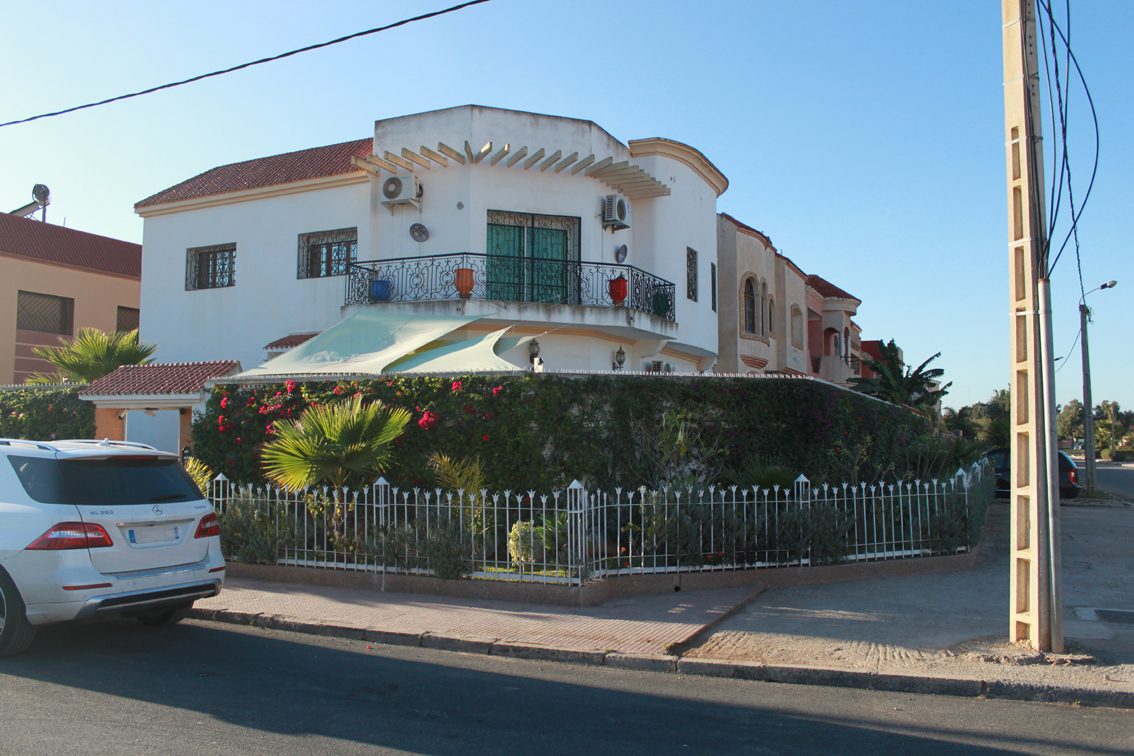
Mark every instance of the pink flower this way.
pixel 457 385
pixel 469 409
pixel 484 438
pixel 496 391
pixel 337 390
pixel 427 420
pixel 224 403
pixel 291 386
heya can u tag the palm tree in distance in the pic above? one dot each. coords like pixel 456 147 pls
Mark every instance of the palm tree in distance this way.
pixel 91 355
pixel 339 444
pixel 895 383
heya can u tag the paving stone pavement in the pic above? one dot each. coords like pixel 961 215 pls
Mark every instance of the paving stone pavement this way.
pixel 631 625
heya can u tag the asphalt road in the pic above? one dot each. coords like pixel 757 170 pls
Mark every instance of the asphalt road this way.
pixel 201 688
pixel 1112 478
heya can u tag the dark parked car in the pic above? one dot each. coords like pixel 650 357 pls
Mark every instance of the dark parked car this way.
pixel 1001 461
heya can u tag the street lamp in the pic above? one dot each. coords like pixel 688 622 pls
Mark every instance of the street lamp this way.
pixel 1088 412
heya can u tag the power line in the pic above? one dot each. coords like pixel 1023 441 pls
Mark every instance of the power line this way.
pixel 248 65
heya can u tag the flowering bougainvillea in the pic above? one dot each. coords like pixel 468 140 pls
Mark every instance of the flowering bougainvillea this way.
pixel 542 432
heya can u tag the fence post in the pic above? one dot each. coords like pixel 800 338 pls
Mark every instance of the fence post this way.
pixel 576 541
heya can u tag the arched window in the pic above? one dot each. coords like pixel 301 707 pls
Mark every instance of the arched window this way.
pixel 838 349
pixel 771 316
pixel 749 307
pixel 764 308
pixel 846 344
pixel 796 327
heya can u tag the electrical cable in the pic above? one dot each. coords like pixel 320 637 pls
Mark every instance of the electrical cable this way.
pixel 249 65
pixel 1094 115
pixel 1063 359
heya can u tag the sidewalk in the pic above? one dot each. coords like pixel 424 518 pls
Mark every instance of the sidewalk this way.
pixel 944 633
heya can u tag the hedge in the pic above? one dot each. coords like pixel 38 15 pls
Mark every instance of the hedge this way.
pixel 45 413
pixel 539 432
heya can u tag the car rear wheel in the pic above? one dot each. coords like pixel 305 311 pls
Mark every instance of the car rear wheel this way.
pixel 166 617
pixel 16 633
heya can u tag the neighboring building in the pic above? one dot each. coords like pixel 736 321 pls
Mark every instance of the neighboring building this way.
pixel 55 280
pixel 776 319
pixel 562 232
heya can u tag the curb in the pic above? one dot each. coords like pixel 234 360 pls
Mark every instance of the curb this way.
pixel 735 670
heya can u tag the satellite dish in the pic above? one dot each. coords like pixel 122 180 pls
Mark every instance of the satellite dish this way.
pixel 40 193
pixel 620 253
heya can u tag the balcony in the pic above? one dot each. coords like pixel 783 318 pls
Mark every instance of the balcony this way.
pixel 512 279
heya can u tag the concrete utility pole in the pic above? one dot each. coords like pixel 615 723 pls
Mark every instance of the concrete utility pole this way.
pixel 1036 613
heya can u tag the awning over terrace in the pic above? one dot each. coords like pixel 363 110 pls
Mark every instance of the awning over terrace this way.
pixel 372 342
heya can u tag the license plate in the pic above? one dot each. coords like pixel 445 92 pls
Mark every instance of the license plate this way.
pixel 154 534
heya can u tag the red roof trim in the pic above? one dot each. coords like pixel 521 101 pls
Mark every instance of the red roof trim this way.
pixel 828 289
pixel 160 378
pixel 318 162
pixel 55 245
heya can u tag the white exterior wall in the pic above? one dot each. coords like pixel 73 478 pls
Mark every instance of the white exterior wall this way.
pixel 665 227
pixel 268 300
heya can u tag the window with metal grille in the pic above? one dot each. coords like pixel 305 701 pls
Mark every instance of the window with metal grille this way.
pixel 327 253
pixel 45 313
pixel 713 284
pixel 127 319
pixel 691 273
pixel 210 267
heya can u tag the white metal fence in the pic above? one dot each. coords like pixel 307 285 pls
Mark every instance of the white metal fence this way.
pixel 575 535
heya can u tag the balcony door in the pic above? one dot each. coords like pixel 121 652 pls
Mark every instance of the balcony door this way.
pixel 532 258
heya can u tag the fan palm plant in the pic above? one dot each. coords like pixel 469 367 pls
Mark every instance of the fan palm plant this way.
pixel 897 384
pixel 92 354
pixel 340 444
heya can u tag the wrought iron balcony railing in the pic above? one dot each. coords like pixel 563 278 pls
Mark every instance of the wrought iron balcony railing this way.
pixel 513 279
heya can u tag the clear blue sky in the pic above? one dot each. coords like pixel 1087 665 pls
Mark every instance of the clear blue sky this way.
pixel 866 137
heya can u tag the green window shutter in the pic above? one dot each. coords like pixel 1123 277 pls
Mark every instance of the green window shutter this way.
pixel 503 268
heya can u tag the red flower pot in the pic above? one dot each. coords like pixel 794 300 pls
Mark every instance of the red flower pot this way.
pixel 464 282
pixel 617 290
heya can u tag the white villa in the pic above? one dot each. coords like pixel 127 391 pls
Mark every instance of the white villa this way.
pixel 488 222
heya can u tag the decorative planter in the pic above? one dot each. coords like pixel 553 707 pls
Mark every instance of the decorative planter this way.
pixel 464 282
pixel 381 290
pixel 617 288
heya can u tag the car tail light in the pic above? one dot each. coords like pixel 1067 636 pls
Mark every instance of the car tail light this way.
pixel 73 535
pixel 209 526
pixel 1073 474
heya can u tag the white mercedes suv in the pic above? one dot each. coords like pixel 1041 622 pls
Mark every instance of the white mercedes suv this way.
pixel 100 529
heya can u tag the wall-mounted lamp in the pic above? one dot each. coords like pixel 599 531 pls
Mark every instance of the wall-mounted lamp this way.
pixel 533 350
pixel 619 359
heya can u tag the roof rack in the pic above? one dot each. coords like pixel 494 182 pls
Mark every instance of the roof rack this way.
pixel 80 441
pixel 38 444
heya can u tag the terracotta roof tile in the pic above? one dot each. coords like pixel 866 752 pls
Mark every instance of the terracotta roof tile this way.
pixel 317 162
pixel 290 341
pixel 158 378
pixel 50 244
pixel 828 289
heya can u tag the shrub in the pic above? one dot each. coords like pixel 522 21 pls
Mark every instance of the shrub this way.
pixel 540 432
pixel 817 533
pixel 45 414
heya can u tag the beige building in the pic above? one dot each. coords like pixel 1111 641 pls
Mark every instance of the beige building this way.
pixel 775 319
pixel 55 280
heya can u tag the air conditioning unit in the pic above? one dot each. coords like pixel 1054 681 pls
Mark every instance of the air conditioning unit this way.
pixel 397 190
pixel 615 212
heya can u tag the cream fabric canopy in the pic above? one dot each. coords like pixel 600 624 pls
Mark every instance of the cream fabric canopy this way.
pixel 372 342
